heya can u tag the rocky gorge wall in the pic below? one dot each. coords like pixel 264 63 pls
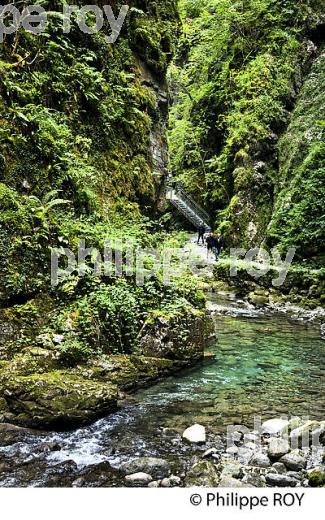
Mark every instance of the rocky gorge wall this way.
pixel 247 120
pixel 83 156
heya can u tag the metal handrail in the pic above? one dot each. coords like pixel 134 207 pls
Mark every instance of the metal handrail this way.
pixel 191 202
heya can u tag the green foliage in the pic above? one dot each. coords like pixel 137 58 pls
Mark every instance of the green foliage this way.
pixel 109 318
pixel 43 208
pixel 75 117
pixel 236 75
pixel 298 219
pixel 73 351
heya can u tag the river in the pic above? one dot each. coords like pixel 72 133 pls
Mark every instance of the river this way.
pixel 264 365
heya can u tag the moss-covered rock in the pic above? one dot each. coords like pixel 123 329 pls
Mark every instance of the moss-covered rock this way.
pixel 316 478
pixel 202 474
pixel 56 399
pixel 302 284
pixel 176 336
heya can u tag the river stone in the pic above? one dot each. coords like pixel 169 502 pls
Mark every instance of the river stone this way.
pixel 301 437
pixel 154 484
pixel 236 437
pixel 98 475
pixel 244 455
pixel 233 450
pixel 230 482
pixel 172 481
pixel 274 426
pixel 157 468
pixel 251 446
pixel 295 460
pixel 316 477
pixel 318 435
pixel 210 453
pixel 250 438
pixel 295 474
pixel 254 478
pixel 279 467
pixel 277 448
pixel 295 422
pixel 60 475
pixel 202 474
pixel 231 469
pixel 274 479
pixel 138 479
pixel 260 460
pixel 11 434
pixel 50 446
pixel 195 434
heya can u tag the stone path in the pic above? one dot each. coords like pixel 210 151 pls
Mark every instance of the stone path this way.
pixel 198 258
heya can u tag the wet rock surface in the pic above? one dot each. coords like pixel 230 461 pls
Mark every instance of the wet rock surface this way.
pixel 157 468
pixel 214 394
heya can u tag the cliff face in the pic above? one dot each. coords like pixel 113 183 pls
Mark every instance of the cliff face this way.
pixel 247 119
pixel 86 118
pixel 298 214
pixel 82 157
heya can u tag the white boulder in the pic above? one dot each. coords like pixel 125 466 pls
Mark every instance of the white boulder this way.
pixel 275 427
pixel 138 479
pixel 195 434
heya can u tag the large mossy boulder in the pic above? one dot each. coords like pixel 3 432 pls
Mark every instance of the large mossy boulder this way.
pixel 202 474
pixel 176 336
pixel 316 478
pixel 55 399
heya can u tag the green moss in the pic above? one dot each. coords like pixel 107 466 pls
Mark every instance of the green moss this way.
pixel 56 399
pixel 233 140
pixel 297 220
pixel 316 478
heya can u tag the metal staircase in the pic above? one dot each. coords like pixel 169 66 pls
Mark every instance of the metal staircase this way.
pixel 191 210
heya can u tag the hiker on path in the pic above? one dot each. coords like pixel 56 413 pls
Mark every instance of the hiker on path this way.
pixel 210 241
pixel 220 244
pixel 215 246
pixel 201 231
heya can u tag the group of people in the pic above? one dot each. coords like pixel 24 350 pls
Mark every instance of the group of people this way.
pixel 213 242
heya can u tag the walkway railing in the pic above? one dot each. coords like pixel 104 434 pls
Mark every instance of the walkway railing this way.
pixel 187 205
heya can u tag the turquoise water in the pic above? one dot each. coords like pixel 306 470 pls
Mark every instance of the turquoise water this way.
pixel 263 365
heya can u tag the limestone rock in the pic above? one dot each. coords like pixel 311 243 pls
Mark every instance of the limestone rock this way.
pixel 163 337
pixel 157 468
pixel 277 448
pixel 260 460
pixel 138 479
pixel 195 434
pixel 57 399
pixel 295 460
pixel 274 479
